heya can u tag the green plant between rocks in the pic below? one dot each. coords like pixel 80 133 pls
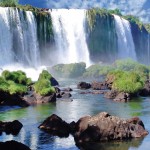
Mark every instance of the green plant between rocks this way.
pixel 43 85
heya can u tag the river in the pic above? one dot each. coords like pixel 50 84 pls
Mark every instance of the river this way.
pixel 82 104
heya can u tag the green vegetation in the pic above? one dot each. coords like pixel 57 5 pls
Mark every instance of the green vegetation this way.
pixel 14 82
pixel 125 81
pixel 8 3
pixel 69 70
pixel 133 19
pixel 43 85
pixel 97 70
pixel 147 27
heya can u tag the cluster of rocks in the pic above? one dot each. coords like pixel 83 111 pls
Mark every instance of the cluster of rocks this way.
pixel 33 98
pixel 106 89
pixel 101 127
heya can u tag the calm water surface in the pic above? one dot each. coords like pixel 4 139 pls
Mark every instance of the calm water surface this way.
pixel 82 104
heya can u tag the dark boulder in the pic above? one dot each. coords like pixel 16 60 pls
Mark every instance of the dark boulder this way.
pixel 99 86
pixel 104 127
pixel 13 127
pixel 7 99
pixel 56 126
pixel 13 145
pixel 146 90
pixel 83 85
pixel 54 82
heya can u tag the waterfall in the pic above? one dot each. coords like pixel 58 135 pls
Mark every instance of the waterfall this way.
pixel 126 47
pixel 148 48
pixel 70 37
pixel 18 40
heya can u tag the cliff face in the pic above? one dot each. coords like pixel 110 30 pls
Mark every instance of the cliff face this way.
pixel 139 8
pixel 103 41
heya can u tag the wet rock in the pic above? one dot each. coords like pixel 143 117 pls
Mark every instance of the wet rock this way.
pixel 13 127
pixel 13 145
pixel 83 85
pixel 35 98
pixel 146 90
pixel 111 94
pixel 99 86
pixel 56 126
pixel 104 127
pixel 66 95
pixel 67 89
pixel 122 97
pixel 54 82
pixel 7 99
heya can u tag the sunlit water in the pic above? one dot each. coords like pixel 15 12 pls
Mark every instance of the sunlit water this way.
pixel 81 105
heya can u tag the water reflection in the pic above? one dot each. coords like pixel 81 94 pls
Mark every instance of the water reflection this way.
pixel 135 143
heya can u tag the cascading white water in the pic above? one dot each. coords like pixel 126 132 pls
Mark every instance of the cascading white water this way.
pixel 148 48
pixel 126 47
pixel 18 40
pixel 70 35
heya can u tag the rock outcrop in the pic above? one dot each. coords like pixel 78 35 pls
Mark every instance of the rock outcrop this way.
pixel 13 127
pixel 7 99
pixel 35 98
pixel 56 126
pixel 99 86
pixel 104 127
pixel 83 85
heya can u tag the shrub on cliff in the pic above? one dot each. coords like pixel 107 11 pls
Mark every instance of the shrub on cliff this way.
pixel 69 70
pixel 43 85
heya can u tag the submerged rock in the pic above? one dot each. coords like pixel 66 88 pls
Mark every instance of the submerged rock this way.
pixel 13 127
pixel 104 127
pixel 13 145
pixel 56 126
pixel 83 85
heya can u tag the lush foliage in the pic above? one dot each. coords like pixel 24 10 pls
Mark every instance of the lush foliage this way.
pixel 125 81
pixel 18 77
pixel 69 70
pixel 134 19
pixel 8 3
pixel 147 26
pixel 43 85
pixel 97 70
pixel 130 65
pixel 14 82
